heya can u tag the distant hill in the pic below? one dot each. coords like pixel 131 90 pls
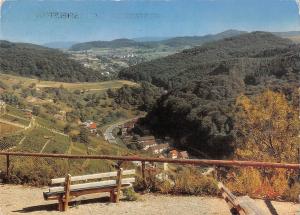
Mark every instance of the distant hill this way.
pixel 172 70
pixel 119 43
pixel 149 39
pixel 202 84
pixel 292 35
pixel 199 40
pixel 176 42
pixel 287 33
pixel 40 62
pixel 59 45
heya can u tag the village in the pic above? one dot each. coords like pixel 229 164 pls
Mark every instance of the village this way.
pixel 138 137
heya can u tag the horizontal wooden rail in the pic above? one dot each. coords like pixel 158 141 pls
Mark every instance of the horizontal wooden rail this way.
pixel 202 162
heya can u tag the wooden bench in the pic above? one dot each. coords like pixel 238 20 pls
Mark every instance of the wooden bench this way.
pixel 240 205
pixel 63 189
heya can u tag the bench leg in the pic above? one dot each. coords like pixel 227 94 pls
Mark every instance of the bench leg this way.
pixel 60 203
pixel 66 204
pixel 112 196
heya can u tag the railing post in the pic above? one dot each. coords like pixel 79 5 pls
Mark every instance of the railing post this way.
pixel 298 150
pixel 119 184
pixel 143 172
pixel 7 167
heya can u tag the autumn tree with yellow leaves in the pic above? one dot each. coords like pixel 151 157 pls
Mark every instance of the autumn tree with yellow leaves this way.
pixel 267 128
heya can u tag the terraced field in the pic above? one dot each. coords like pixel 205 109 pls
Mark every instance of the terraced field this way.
pixel 58 144
pixel 95 86
pixel 14 111
pixel 10 141
pixel 34 142
pixel 13 119
pixel 6 129
pixel 37 138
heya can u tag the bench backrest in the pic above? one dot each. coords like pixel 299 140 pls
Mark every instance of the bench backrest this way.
pixel 112 179
pixel 57 181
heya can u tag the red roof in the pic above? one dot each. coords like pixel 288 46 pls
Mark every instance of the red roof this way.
pixel 93 125
pixel 174 152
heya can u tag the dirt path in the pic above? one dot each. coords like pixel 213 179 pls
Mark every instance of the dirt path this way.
pixel 18 117
pixel 12 123
pixel 47 142
pixel 28 200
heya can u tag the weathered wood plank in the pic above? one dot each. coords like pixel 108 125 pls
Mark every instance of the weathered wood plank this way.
pixel 67 191
pixel 248 205
pixel 112 196
pixel 60 203
pixel 92 176
pixel 119 182
pixel 92 185
pixel 55 196
pixel 227 191
pixel 143 172
pixel 244 205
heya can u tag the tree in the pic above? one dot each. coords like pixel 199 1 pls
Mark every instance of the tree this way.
pixel 84 136
pixel 36 110
pixel 67 128
pixel 267 128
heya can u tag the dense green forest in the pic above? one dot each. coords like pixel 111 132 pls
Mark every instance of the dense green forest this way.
pixel 203 83
pixel 39 62
pixel 143 97
pixel 176 42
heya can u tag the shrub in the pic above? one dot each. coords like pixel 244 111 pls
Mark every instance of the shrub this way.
pixel 29 171
pixel 188 181
pixel 292 194
pixel 272 184
pixel 246 181
pixel 130 194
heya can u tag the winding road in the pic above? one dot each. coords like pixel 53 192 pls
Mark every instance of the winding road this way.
pixel 107 131
pixel 108 135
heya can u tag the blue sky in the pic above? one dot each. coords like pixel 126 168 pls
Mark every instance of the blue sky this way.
pixel 41 21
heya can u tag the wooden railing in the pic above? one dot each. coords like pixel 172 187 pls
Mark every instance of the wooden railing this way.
pixel 198 162
pixel 243 205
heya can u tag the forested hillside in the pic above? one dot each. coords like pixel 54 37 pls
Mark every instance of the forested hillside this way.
pixel 47 64
pixel 203 84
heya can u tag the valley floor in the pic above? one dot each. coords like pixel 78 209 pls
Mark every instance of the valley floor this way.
pixel 28 200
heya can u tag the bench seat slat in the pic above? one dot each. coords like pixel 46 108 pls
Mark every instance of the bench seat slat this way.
pixel 245 203
pixel 249 206
pixel 80 192
pixel 92 176
pixel 91 185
